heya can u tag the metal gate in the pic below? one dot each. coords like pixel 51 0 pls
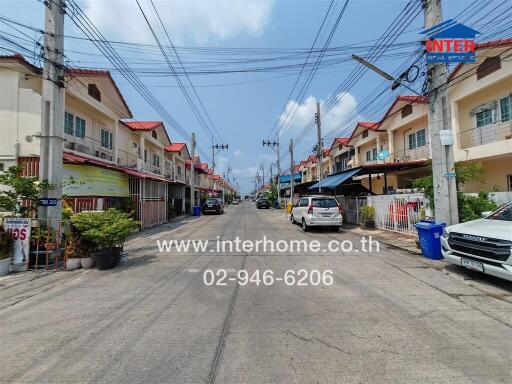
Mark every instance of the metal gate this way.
pixel 353 205
pixel 399 213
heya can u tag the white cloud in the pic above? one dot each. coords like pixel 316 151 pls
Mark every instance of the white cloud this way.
pixel 304 113
pixel 239 153
pixel 187 21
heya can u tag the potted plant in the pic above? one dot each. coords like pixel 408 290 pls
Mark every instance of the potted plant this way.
pixel 71 250
pixel 107 231
pixel 6 244
pixel 368 212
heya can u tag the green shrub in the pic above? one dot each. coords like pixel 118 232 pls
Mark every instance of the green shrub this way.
pixel 471 207
pixel 104 229
pixel 368 212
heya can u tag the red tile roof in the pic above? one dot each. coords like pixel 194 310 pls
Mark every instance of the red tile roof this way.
pixel 175 147
pixel 369 124
pixel 99 72
pixel 485 44
pixel 142 125
pixel 17 57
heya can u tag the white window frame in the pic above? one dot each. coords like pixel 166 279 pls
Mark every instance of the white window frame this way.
pixel 509 97
pixel 75 126
pixel 72 123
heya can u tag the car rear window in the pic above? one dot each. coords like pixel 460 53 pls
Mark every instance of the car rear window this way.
pixel 324 203
pixel 211 201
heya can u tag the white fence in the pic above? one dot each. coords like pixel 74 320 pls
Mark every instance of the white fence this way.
pixel 399 213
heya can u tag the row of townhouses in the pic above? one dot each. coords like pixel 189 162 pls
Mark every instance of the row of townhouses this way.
pixel 115 160
pixel 386 156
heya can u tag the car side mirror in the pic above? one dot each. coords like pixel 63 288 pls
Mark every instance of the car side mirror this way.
pixel 485 214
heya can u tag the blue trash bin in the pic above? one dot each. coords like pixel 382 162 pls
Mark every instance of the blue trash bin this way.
pixel 196 210
pixel 429 234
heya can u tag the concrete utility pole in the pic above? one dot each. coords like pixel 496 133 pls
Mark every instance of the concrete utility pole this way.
pixel 291 171
pixel 443 167
pixel 52 127
pixel 192 172
pixel 275 146
pixel 216 147
pixel 320 155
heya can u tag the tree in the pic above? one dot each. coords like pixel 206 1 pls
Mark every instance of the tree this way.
pixel 470 207
pixel 21 196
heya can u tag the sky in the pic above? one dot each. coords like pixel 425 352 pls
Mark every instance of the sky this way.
pixel 244 107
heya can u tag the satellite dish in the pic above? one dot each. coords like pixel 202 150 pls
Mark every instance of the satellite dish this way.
pixel 383 154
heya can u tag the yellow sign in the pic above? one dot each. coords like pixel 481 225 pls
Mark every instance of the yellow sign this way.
pixel 94 181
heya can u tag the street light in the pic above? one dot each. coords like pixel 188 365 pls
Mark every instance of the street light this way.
pixel 385 75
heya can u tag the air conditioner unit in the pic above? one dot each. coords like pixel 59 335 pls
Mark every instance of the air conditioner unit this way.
pixel 70 145
pixel 81 148
pixel 103 155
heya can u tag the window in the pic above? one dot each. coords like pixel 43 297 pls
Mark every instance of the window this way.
pixel 412 141
pixel 484 117
pixel 364 134
pixel 179 170
pixel 374 153
pixel 68 123
pixel 407 110
pixel 509 182
pixel 94 92
pixel 421 139
pixel 106 139
pixel 145 156
pixel 79 127
pixel 490 65
pixel 303 202
pixel 417 139
pixel 506 108
pixel 154 135
pixel 156 160
pixel 368 155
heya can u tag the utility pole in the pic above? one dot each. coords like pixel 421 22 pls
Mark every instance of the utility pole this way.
pixel 275 145
pixel 217 147
pixel 192 172
pixel 52 128
pixel 291 171
pixel 443 166
pixel 263 172
pixel 320 154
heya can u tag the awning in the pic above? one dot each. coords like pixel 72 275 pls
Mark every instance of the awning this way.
pixel 335 180
pixel 286 178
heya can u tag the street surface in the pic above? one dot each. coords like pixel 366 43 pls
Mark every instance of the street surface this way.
pixel 388 317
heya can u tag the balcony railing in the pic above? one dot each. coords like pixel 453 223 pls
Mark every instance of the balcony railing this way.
pixel 486 134
pixel 127 160
pixel 405 155
pixel 88 146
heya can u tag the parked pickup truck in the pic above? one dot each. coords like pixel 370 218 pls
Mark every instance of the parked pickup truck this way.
pixel 483 245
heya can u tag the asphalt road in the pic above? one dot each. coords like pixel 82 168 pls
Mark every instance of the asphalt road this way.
pixel 388 317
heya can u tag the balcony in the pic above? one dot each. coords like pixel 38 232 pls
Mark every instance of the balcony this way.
pixel 490 133
pixel 404 155
pixel 127 160
pixel 88 146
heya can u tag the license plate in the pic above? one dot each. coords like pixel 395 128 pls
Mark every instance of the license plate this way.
pixel 210 206
pixel 472 264
pixel 326 214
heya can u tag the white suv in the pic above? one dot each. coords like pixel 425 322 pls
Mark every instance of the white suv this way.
pixel 316 211
pixel 483 245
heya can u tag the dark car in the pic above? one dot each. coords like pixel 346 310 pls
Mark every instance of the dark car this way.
pixel 213 205
pixel 262 203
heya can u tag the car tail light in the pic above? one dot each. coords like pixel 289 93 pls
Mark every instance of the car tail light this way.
pixel 310 210
pixel 340 209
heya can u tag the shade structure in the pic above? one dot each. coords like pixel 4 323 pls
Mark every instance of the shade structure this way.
pixel 335 180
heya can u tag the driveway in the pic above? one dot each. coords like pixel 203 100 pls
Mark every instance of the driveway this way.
pixel 388 317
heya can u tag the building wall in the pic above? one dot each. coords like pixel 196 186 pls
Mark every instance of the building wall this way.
pixel 495 176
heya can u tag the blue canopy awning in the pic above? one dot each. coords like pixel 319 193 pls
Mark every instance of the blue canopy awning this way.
pixel 335 180
pixel 286 178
